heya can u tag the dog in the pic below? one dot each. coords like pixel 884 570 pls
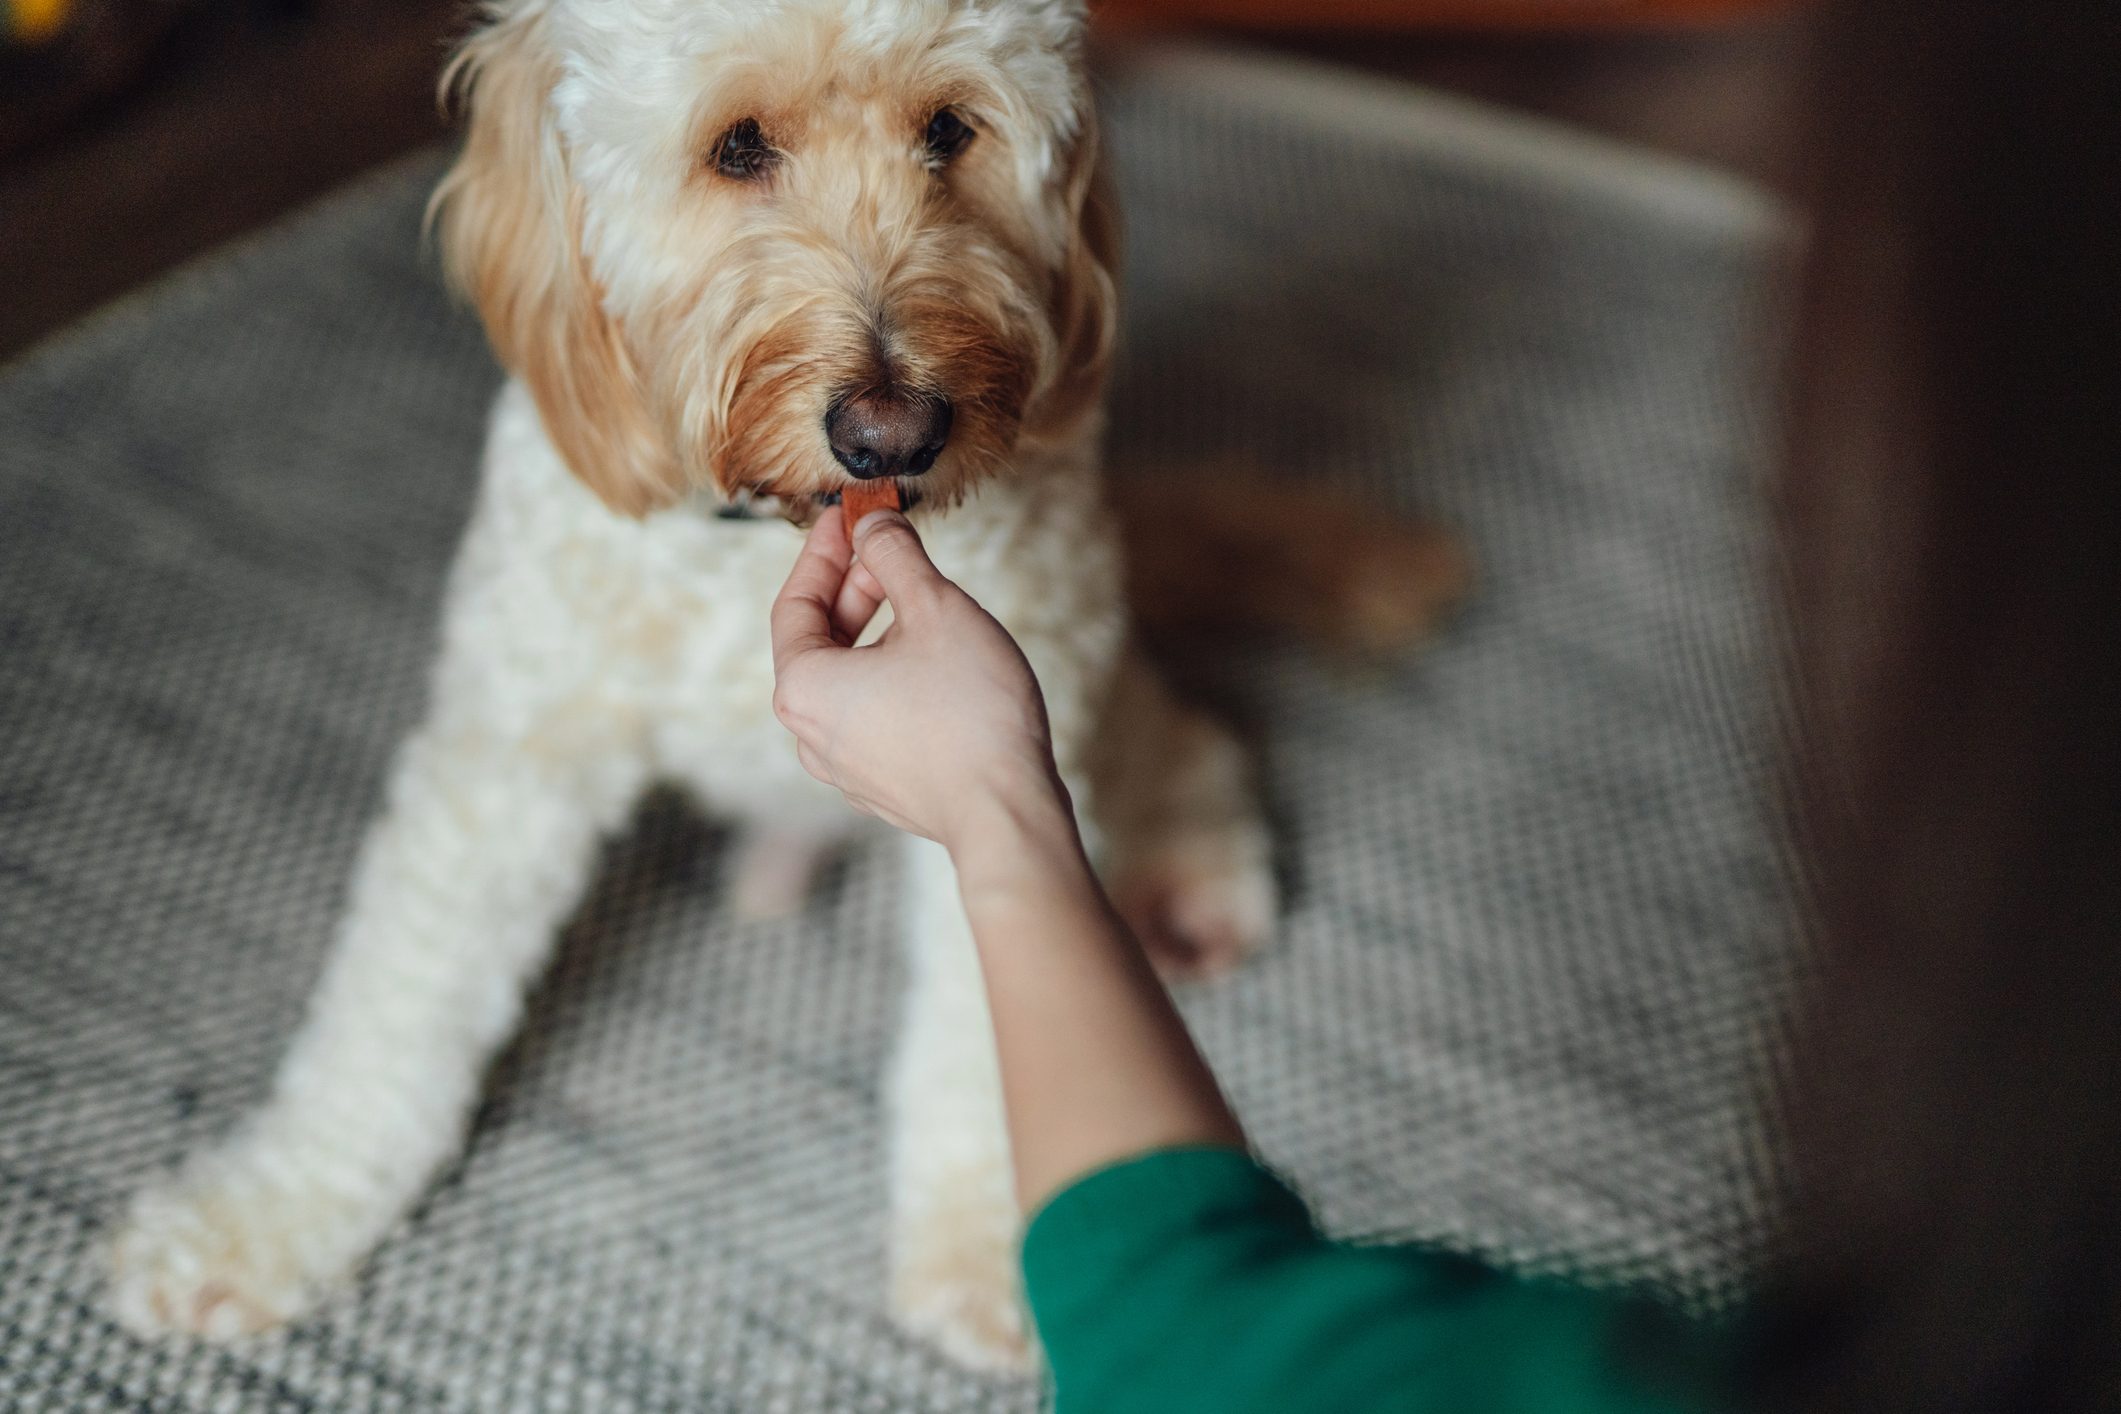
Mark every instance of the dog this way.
pixel 735 257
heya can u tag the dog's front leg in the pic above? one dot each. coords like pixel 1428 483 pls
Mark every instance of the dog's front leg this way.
pixel 956 1223
pixel 954 1212
pixel 461 886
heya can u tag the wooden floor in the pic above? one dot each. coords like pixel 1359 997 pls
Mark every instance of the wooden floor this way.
pixel 247 118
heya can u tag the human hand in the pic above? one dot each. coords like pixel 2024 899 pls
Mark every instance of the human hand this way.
pixel 938 727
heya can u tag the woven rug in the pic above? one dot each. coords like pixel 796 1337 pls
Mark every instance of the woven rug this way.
pixel 1535 954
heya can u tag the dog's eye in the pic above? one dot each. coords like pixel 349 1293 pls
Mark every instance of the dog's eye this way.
pixel 743 152
pixel 947 136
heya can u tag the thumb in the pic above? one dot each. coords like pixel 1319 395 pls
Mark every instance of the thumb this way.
pixel 886 543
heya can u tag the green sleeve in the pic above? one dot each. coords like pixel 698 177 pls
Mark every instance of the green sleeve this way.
pixel 1192 1279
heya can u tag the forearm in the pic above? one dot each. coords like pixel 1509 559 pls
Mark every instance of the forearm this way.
pixel 1096 1063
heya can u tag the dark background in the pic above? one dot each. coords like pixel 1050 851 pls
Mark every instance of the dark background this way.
pixel 152 130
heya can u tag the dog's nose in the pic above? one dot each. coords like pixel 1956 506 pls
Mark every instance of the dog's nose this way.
pixel 888 433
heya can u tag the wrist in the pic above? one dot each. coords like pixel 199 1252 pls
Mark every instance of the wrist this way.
pixel 1019 842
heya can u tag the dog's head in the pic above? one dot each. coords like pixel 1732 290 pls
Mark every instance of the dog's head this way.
pixel 778 244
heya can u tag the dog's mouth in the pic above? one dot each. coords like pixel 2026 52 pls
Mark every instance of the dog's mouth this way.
pixel 757 502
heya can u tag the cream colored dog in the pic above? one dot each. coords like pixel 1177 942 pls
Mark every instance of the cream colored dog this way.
pixel 734 254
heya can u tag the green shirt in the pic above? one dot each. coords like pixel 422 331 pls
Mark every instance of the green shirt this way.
pixel 1194 1280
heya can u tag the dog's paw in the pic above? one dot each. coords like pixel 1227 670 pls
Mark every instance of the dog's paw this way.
pixel 775 870
pixel 221 1260
pixel 955 1285
pixel 1201 903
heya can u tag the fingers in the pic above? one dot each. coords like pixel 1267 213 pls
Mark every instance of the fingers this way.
pixel 802 613
pixel 887 544
pixel 859 599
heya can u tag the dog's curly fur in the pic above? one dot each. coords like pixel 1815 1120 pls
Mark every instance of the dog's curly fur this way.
pixel 677 335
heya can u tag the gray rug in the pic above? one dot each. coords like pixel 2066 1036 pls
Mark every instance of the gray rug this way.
pixel 1535 953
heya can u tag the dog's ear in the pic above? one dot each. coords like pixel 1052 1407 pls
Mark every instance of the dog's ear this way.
pixel 1086 296
pixel 510 222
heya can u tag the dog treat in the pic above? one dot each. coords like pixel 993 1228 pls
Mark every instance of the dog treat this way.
pixel 863 497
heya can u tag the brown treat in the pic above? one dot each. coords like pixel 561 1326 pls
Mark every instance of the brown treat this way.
pixel 862 497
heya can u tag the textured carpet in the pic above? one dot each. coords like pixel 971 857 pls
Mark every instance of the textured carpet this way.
pixel 1535 951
